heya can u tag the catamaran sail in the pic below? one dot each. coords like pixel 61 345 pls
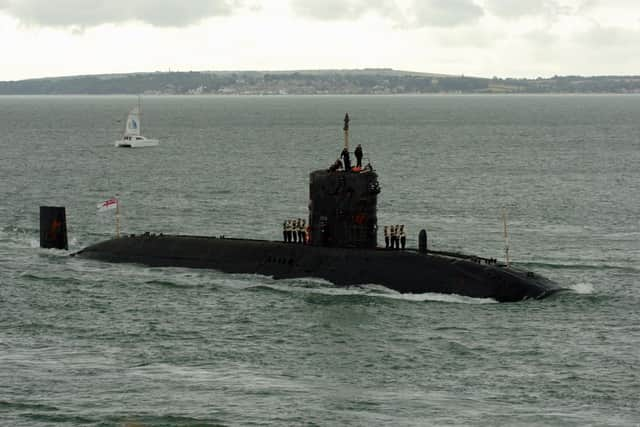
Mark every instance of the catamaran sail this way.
pixel 132 137
pixel 133 123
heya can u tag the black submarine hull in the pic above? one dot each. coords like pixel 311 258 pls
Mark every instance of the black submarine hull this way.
pixel 405 271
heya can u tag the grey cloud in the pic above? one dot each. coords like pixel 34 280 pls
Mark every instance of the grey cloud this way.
pixel 332 10
pixel 469 38
pixel 602 50
pixel 617 38
pixel 445 13
pixel 630 5
pixel 514 9
pixel 83 13
pixel 540 38
pixel 419 13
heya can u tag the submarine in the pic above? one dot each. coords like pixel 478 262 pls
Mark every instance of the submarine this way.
pixel 339 245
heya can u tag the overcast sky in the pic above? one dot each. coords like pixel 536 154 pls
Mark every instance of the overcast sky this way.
pixel 517 38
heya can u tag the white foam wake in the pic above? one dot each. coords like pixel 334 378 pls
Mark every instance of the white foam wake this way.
pixel 372 290
pixel 430 296
pixel 582 288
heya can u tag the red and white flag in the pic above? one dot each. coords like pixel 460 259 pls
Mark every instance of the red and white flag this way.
pixel 112 203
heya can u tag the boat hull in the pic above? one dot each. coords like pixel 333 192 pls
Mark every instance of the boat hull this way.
pixel 136 143
pixel 405 271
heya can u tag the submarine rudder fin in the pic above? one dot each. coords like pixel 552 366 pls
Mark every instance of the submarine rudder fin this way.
pixel 53 227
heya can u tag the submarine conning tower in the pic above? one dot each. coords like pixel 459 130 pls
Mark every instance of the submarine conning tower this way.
pixel 343 205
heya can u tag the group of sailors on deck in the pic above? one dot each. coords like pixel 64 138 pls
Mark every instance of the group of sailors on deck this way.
pixel 295 231
pixel 395 237
pixel 345 163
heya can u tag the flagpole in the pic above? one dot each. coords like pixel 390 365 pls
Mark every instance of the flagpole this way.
pixel 506 237
pixel 117 218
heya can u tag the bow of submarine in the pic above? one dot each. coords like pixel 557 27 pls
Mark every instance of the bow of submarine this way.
pixel 414 272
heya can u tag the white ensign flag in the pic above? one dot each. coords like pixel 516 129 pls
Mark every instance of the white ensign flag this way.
pixel 112 203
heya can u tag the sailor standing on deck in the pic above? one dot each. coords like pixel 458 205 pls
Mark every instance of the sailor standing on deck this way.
pixel 284 231
pixel 386 237
pixel 300 230
pixel 292 231
pixel 358 153
pixel 403 236
pixel 289 230
pixel 345 159
pixel 392 236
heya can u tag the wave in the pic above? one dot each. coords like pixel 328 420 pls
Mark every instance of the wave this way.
pixel 18 237
pixel 172 284
pixel 50 278
pixel 165 420
pixel 324 288
pixel 580 266
pixel 316 286
pixel 445 298
pixel 26 406
pixel 21 242
pixel 58 418
pixel 554 229
pixel 623 235
pixel 12 229
pixel 23 238
pixel 53 415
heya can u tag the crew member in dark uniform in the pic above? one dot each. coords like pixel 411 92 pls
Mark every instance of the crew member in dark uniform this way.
pixel 346 160
pixel 299 229
pixel 289 228
pixel 358 154
pixel 294 231
pixel 396 234
pixel 392 233
pixel 302 231
pixel 336 166
pixel 403 237
pixel 386 237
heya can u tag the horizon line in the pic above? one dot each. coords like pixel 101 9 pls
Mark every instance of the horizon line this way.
pixel 312 70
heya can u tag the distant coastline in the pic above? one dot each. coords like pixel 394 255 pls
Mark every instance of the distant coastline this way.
pixel 375 81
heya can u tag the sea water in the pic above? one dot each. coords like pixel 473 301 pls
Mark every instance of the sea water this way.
pixel 84 343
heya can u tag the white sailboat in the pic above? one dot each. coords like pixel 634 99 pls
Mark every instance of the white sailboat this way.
pixel 132 136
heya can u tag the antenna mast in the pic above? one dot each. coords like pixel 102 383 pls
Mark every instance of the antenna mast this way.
pixel 140 114
pixel 506 237
pixel 346 131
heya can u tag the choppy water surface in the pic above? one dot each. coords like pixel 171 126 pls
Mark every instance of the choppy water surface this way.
pixel 89 344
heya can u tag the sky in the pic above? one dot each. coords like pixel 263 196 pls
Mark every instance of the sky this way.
pixel 485 38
